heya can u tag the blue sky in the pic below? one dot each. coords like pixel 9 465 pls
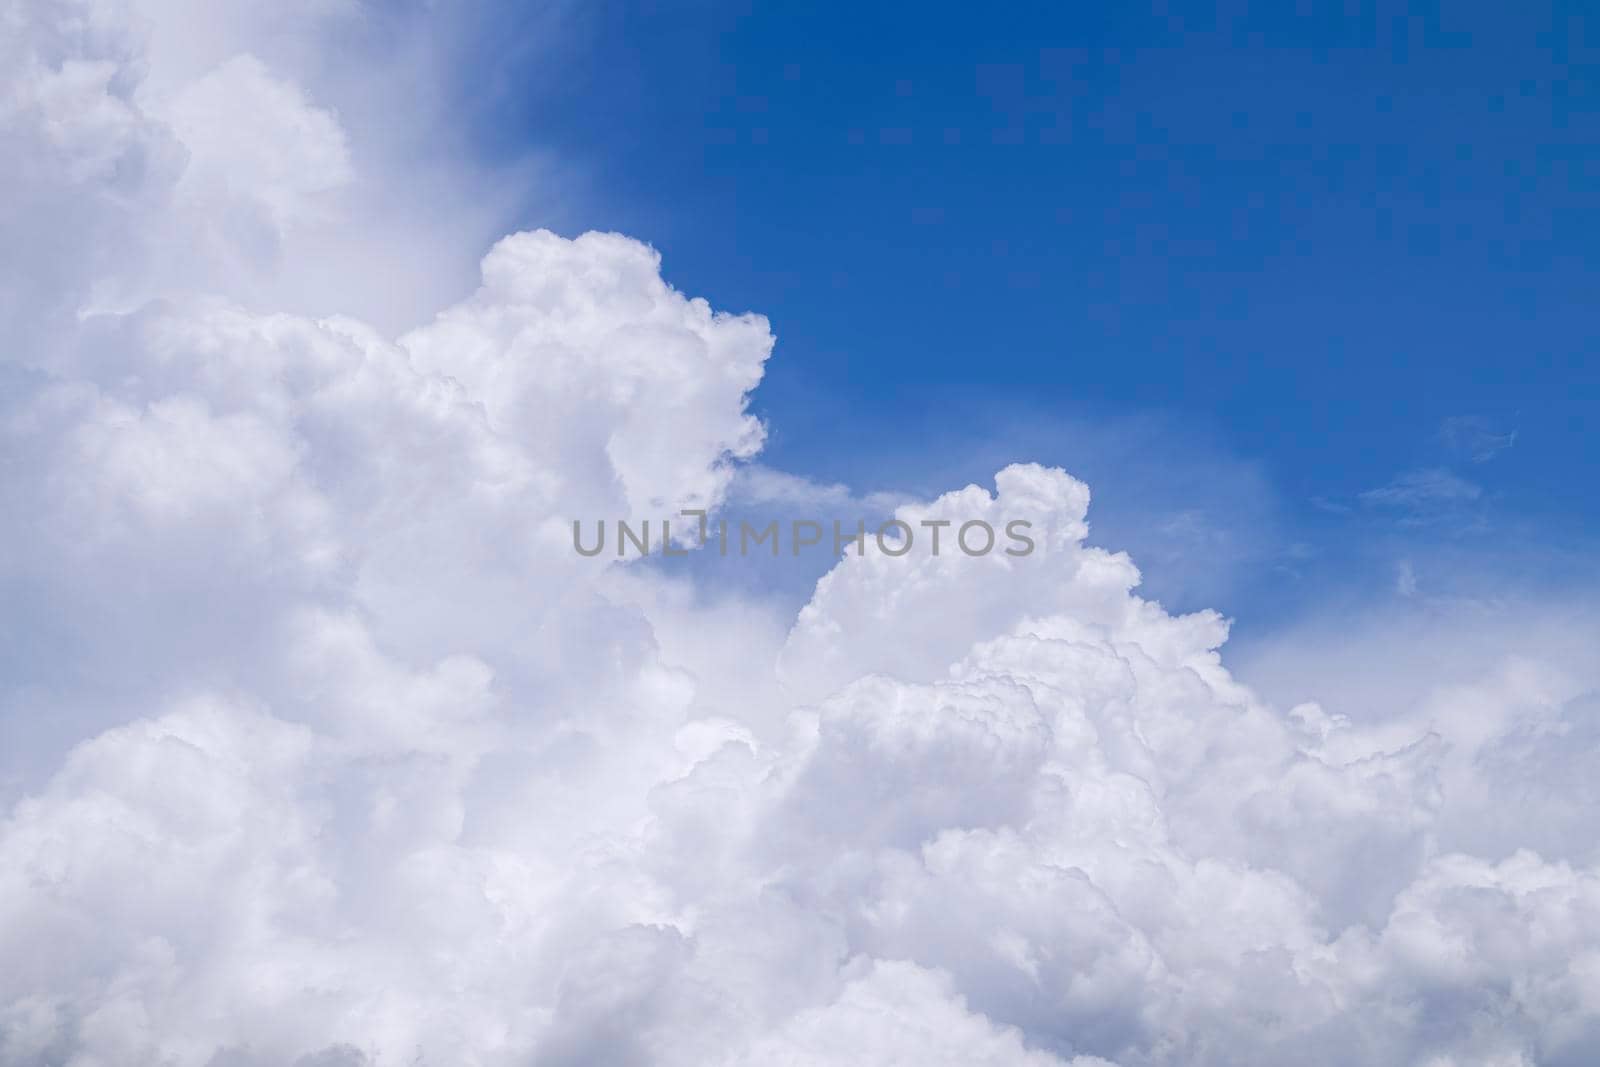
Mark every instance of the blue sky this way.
pixel 1304 293
pixel 311 365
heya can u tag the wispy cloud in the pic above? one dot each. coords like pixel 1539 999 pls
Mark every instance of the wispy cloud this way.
pixel 1405 580
pixel 1476 437
pixel 1423 490
pixel 1424 495
pixel 756 483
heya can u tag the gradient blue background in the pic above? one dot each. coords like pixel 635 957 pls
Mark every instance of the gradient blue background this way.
pixel 1237 266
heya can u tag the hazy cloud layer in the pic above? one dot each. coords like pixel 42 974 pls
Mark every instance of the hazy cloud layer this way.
pixel 324 748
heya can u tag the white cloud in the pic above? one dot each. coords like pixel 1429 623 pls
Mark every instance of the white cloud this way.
pixel 1405 578
pixel 898 1014
pixel 1423 496
pixel 324 748
pixel 1478 438
pixel 759 484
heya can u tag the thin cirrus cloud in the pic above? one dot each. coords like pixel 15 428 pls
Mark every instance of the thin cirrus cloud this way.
pixel 1425 495
pixel 1478 438
pixel 323 748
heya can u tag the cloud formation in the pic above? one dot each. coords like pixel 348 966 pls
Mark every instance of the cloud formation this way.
pixel 1476 437
pixel 323 747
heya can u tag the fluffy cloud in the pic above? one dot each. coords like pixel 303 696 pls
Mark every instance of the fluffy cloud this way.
pixel 324 748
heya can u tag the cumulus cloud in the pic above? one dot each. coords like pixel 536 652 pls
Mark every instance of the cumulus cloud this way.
pixel 324 748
